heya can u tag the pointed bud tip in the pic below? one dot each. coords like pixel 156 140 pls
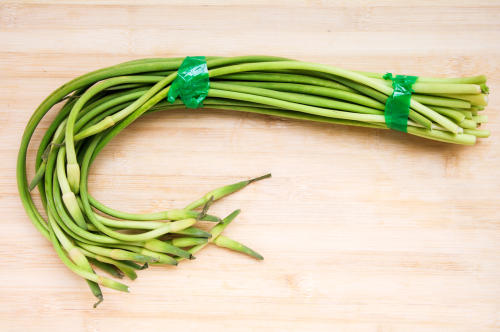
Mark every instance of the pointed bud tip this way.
pixel 100 298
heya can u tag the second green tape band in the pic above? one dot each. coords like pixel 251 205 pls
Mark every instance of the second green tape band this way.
pixel 397 106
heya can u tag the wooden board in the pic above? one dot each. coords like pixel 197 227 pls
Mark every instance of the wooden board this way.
pixel 362 230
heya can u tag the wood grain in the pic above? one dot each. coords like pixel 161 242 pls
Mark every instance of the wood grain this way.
pixel 362 230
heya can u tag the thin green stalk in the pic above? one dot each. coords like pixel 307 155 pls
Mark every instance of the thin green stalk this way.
pixel 117 254
pixel 473 99
pixel 457 80
pixel 284 78
pixel 159 258
pixel 450 113
pixel 183 242
pixel 299 98
pixel 441 88
pixel 108 268
pixel 163 215
pixel 221 192
pixel 120 265
pixel 319 91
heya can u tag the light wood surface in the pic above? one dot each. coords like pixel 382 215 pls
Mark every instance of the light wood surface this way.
pixel 362 230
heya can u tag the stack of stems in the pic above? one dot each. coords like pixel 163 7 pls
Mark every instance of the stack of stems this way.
pixel 86 234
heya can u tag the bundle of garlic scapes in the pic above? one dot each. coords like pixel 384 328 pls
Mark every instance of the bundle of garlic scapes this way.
pixel 86 234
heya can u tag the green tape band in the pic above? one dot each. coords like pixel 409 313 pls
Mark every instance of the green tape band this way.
pixel 191 83
pixel 397 106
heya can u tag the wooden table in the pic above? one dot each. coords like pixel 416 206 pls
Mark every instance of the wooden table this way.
pixel 362 230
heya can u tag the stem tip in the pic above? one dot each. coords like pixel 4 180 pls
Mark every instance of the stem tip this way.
pixel 100 298
pixel 268 175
